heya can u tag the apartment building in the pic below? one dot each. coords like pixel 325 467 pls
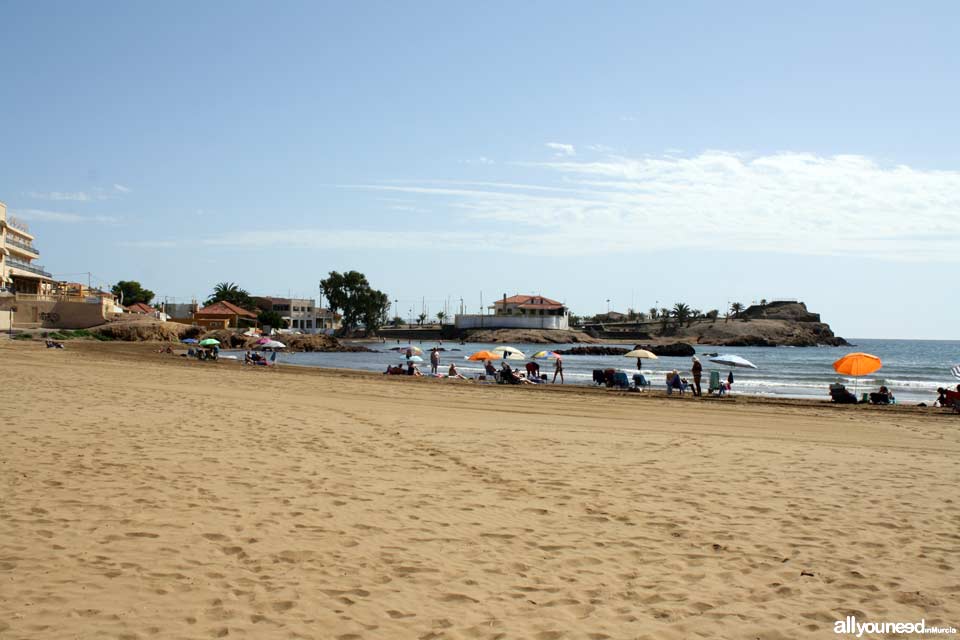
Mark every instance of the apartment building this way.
pixel 18 271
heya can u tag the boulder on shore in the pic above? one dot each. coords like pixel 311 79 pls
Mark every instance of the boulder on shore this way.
pixel 672 350
pixel 592 351
pixel 530 336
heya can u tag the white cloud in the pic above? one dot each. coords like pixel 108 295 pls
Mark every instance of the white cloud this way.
pixel 787 202
pixel 563 150
pixel 802 203
pixel 60 216
pixel 76 196
pixel 98 193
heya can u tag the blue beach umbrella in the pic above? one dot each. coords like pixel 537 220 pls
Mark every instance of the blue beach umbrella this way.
pixel 189 341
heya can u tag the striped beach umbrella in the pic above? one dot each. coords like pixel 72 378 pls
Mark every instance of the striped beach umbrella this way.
pixel 956 372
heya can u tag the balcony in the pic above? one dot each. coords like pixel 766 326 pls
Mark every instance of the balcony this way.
pixel 14 263
pixel 23 246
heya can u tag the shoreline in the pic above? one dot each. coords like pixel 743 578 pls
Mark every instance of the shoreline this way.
pixel 146 353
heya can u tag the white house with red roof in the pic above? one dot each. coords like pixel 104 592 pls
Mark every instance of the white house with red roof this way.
pixel 520 311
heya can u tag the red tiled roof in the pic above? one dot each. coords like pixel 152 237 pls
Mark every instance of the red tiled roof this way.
pixel 224 308
pixel 528 301
pixel 140 307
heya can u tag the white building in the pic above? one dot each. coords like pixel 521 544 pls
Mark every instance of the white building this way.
pixel 18 271
pixel 519 312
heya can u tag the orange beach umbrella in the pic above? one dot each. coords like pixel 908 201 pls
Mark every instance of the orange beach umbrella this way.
pixel 484 355
pixel 857 364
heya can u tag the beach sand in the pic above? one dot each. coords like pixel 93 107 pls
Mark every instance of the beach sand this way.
pixel 146 496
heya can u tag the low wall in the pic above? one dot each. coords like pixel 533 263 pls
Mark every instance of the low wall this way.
pixel 512 322
pixel 56 314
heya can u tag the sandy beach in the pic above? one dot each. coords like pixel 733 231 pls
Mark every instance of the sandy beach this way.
pixel 147 496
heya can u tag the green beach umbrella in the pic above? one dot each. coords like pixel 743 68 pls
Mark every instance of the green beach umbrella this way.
pixel 209 342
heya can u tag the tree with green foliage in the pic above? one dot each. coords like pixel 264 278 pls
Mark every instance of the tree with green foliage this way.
pixel 681 313
pixel 271 319
pixel 421 318
pixel 736 309
pixel 232 293
pixel 654 313
pixel 360 303
pixel 131 292
pixel 440 316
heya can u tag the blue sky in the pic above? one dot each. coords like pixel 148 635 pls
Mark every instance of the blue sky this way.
pixel 695 152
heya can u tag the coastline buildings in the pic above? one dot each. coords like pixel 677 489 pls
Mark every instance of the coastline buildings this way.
pixel 300 314
pixel 18 272
pixel 519 312
pixel 224 315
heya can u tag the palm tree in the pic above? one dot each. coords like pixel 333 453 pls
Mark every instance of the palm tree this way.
pixel 231 292
pixel 681 312
pixel 440 316
pixel 736 308
pixel 653 313
pixel 421 318
pixel 763 302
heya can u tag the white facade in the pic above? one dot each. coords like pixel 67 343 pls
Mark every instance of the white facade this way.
pixel 17 253
pixel 467 321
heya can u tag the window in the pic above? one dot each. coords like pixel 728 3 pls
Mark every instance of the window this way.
pixel 309 324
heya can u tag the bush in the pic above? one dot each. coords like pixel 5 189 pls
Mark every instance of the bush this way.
pixel 23 336
pixel 56 335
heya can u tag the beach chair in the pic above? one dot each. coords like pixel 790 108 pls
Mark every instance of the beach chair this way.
pixel 598 377
pixel 639 381
pixel 620 380
pixel 715 385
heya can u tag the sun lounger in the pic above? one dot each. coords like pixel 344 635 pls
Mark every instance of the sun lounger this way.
pixel 715 384
pixel 639 381
pixel 620 380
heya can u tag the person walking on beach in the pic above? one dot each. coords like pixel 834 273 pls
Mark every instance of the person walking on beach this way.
pixel 697 371
pixel 558 369
pixel 434 361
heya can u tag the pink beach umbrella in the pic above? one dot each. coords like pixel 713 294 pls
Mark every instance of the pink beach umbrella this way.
pixel 263 340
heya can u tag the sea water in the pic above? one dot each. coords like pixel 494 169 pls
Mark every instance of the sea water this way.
pixel 912 369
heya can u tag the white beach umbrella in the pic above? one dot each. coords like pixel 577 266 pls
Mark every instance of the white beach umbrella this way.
pixel 956 371
pixel 273 344
pixel 734 361
pixel 641 353
pixel 509 353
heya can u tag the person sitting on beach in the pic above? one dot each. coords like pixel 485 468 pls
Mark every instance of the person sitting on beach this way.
pixel 247 359
pixel 881 397
pixel 489 368
pixel 453 373
pixel 674 381
pixel 53 344
pixel 413 369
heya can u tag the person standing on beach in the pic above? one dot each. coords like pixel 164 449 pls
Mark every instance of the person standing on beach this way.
pixel 558 369
pixel 434 361
pixel 697 371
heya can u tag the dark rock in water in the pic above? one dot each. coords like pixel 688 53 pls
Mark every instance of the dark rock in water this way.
pixel 753 341
pixel 592 351
pixel 672 350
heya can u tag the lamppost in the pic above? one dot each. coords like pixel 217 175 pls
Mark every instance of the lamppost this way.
pixel 396 310
pixel 410 318
pixel 608 306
